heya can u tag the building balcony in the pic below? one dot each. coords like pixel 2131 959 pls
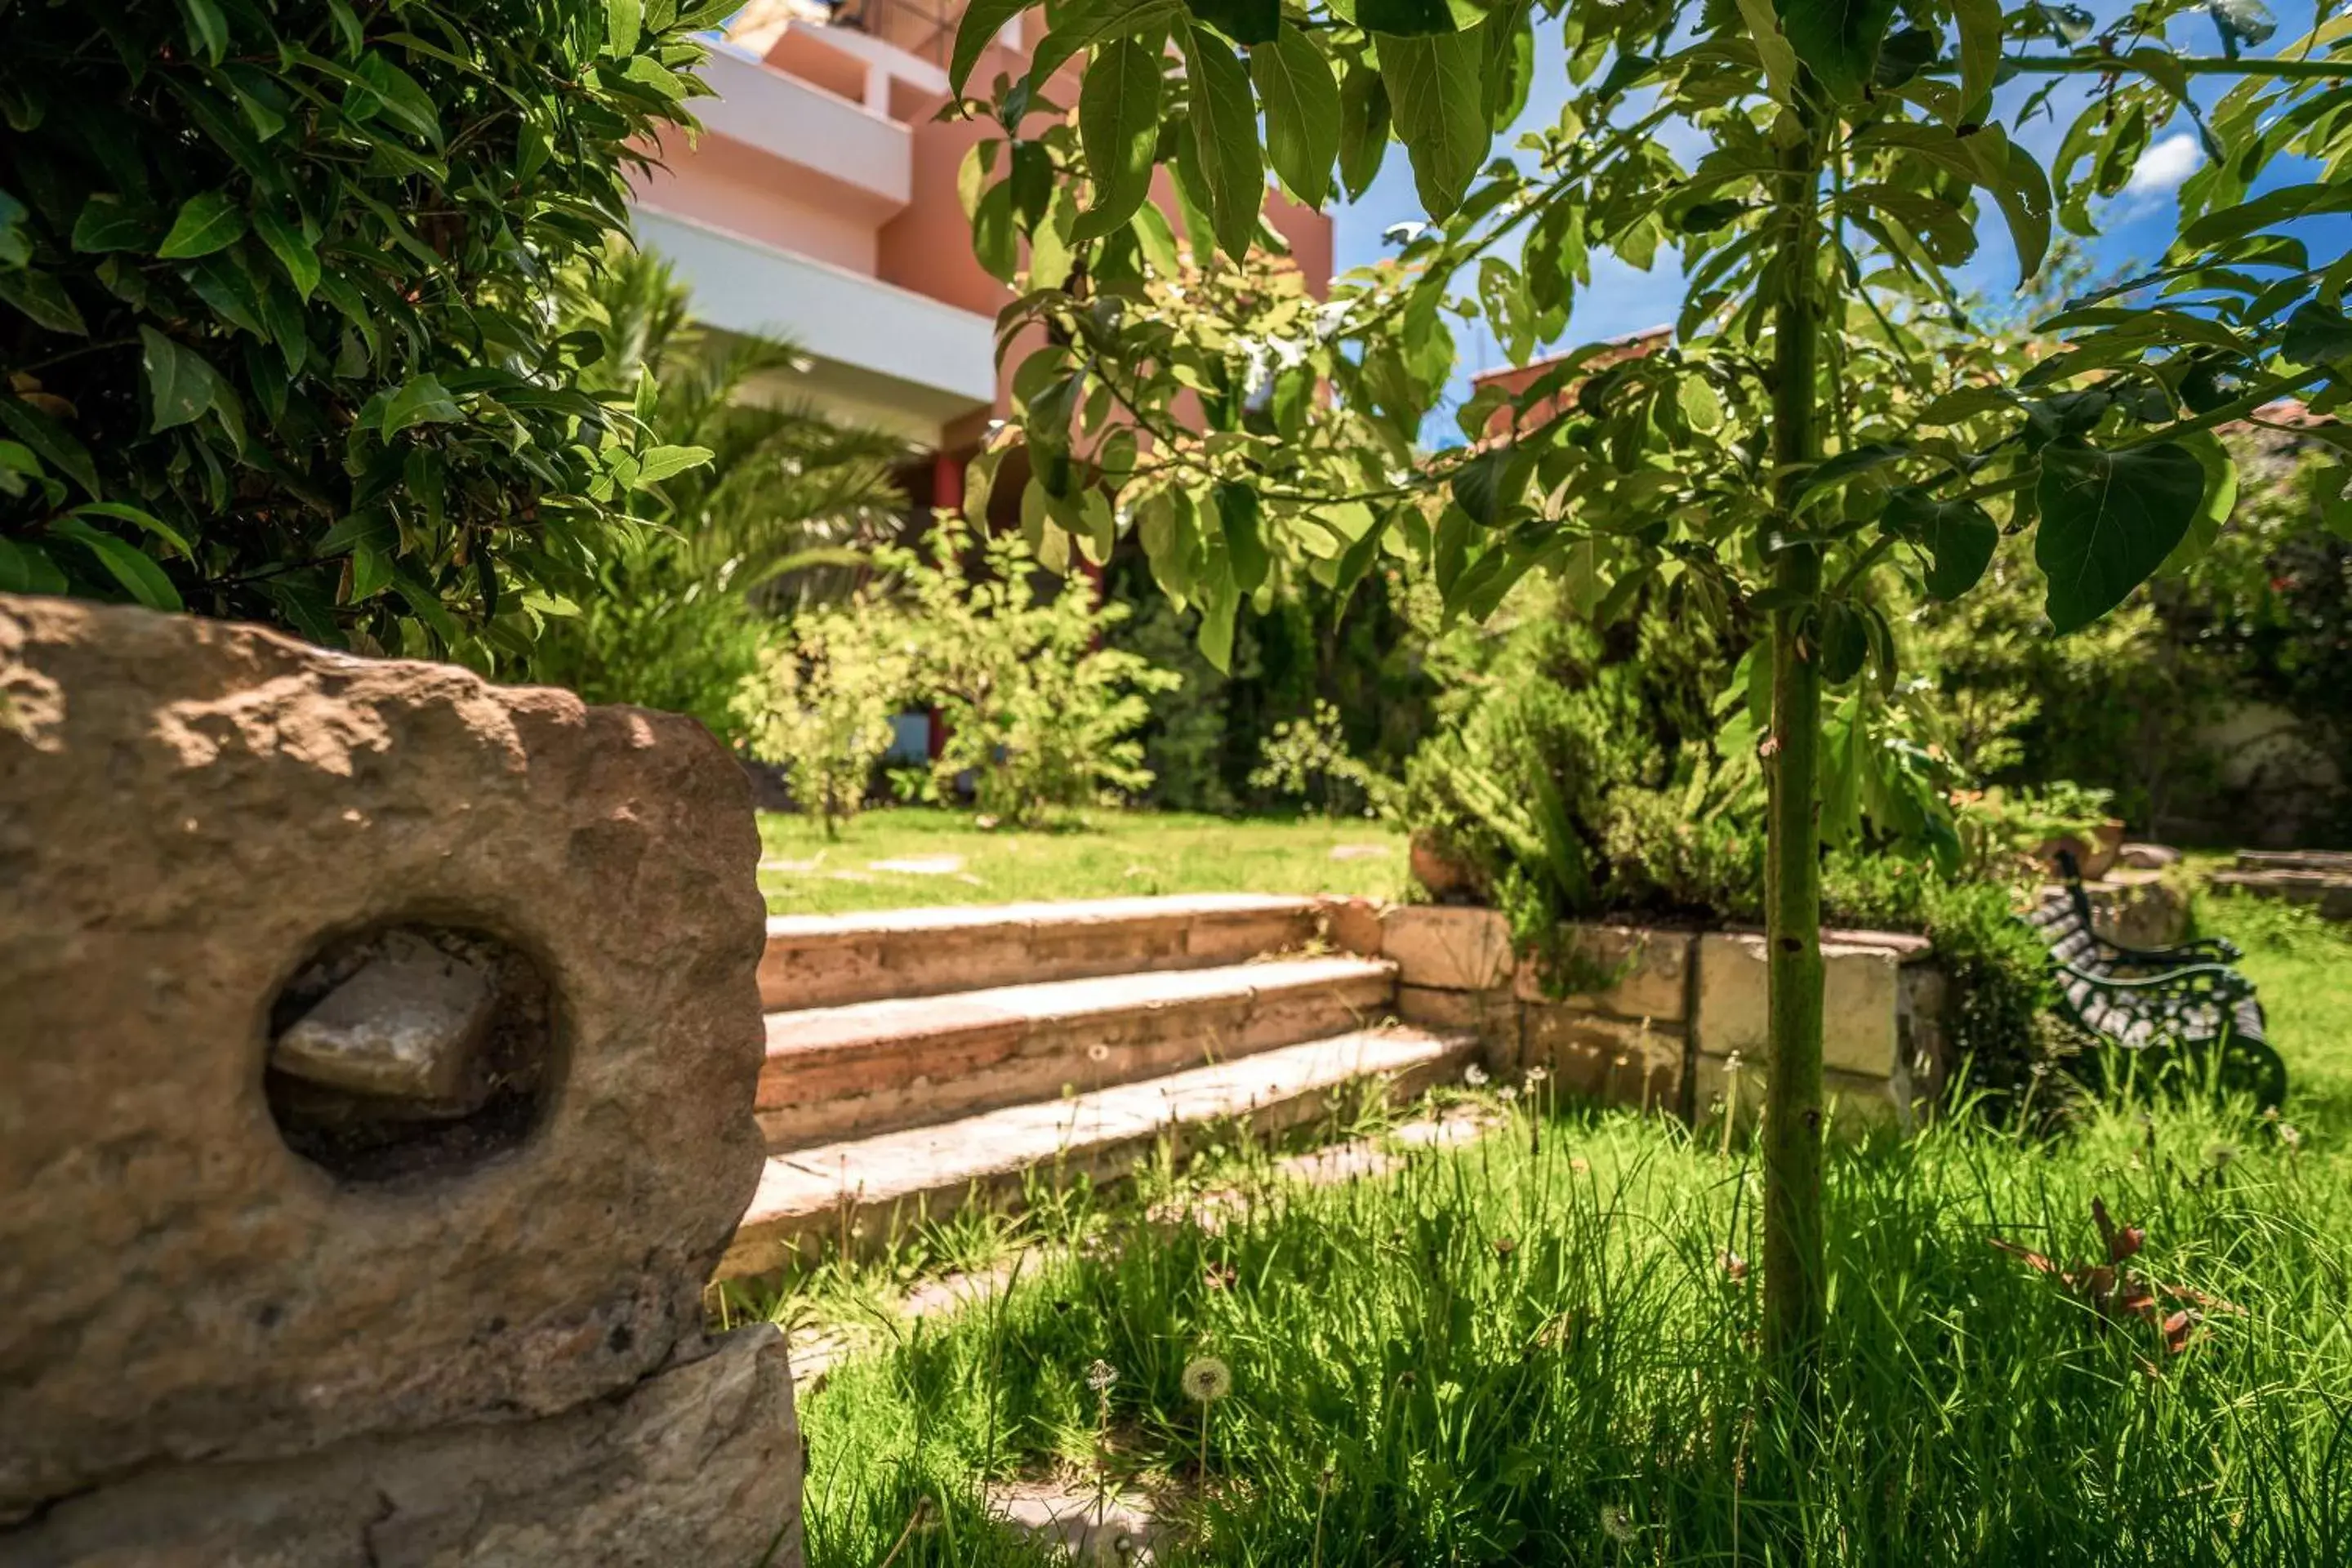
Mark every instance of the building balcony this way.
pixel 878 355
pixel 864 157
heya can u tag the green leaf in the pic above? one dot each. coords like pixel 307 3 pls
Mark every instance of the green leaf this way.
pixel 1302 113
pixel 1237 513
pixel 107 224
pixel 26 568
pixel 1773 50
pixel 1439 104
pixel 179 383
pixel 1363 129
pixel 1487 486
pixel 291 247
pixel 1832 472
pixel 983 20
pixel 411 108
pixel 1224 119
pixel 1405 18
pixel 1119 126
pixel 423 400
pixel 2220 500
pixel 1959 537
pixel 129 565
pixel 658 463
pixel 1845 641
pixel 137 519
pixel 1838 39
pixel 42 298
pixel 623 19
pixel 2108 521
pixel 55 445
pixel 15 245
pixel 1250 22
pixel 1088 24
pixel 2317 334
pixel 1980 28
pixel 207 29
pixel 207 223
pixel 995 243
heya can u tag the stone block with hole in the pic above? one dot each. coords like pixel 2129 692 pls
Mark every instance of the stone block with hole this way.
pixel 1626 972
pixel 380 1047
pixel 1443 948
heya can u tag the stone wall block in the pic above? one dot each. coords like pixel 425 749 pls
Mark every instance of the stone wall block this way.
pixel 1447 948
pixel 1649 971
pixel 1858 1101
pixel 1493 1016
pixel 1604 1058
pixel 1352 924
pixel 204 829
pixel 1860 1002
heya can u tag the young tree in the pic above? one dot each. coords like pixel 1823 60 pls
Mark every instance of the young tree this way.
pixel 275 288
pixel 1824 415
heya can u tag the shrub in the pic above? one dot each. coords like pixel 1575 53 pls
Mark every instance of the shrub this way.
pixel 276 283
pixel 1308 759
pixel 821 705
pixel 1039 714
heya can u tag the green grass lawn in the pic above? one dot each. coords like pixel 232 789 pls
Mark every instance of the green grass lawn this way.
pixel 900 858
pixel 1540 1348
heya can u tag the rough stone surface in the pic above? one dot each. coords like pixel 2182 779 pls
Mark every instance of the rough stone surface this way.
pixel 1858 1029
pixel 1492 1015
pixel 699 1464
pixel 1647 973
pixel 1858 1101
pixel 1604 1058
pixel 831 961
pixel 1446 949
pixel 2146 857
pixel 1352 924
pixel 2136 908
pixel 188 810
pixel 407 1026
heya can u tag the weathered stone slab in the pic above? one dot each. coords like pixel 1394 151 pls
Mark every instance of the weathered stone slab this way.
pixel 1859 1032
pixel 1352 924
pixel 1446 949
pixel 1627 971
pixel 699 1463
pixel 190 814
pixel 1492 1015
pixel 1601 1058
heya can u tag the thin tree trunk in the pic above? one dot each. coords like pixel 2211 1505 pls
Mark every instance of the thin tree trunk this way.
pixel 1795 1286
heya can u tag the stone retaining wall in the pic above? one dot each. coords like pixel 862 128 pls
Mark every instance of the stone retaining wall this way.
pixel 376 1098
pixel 1674 1020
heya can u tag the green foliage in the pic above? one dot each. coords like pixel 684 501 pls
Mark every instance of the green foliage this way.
pixel 820 706
pixel 1040 715
pixel 1308 759
pixel 274 329
pixel 789 504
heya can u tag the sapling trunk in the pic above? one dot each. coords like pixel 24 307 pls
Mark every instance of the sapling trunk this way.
pixel 1795 1286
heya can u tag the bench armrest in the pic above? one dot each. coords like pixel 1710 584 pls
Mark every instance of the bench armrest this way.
pixel 2198 950
pixel 2227 982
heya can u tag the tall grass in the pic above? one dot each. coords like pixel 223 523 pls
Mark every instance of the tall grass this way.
pixel 1541 1348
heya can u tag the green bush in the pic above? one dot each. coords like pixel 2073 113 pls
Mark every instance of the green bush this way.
pixel 820 706
pixel 276 325
pixel 1039 714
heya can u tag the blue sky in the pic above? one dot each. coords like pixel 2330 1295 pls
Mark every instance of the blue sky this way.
pixel 2135 225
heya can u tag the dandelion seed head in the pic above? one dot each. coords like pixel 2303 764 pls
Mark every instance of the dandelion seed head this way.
pixel 1099 1052
pixel 2290 1135
pixel 1617 1523
pixel 1537 1074
pixel 1206 1379
pixel 1474 1076
pixel 1100 1375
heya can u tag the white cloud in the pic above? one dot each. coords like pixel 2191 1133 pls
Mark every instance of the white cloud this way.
pixel 2163 167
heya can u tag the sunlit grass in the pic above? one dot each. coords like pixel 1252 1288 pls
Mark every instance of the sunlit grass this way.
pixel 1540 1348
pixel 1105 854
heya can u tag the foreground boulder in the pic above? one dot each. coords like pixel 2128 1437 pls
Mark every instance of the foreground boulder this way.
pixel 380 1047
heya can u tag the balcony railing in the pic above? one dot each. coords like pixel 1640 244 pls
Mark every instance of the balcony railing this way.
pixel 924 28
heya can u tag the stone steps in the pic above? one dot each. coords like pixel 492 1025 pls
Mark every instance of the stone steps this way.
pixel 877 1066
pixel 857 1190
pixel 829 960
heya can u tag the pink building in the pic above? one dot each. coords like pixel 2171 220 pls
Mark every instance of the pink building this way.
pixel 820 206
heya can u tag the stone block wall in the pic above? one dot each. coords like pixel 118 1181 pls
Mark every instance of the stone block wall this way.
pixel 1674 1020
pixel 376 1100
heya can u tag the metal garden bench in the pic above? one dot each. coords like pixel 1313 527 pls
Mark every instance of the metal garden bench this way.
pixel 2170 1005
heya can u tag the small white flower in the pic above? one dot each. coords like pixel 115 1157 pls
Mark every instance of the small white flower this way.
pixel 1507 1093
pixel 1474 1076
pixel 1536 1075
pixel 1206 1380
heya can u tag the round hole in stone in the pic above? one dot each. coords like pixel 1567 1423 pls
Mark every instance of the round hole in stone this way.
pixel 409 1050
